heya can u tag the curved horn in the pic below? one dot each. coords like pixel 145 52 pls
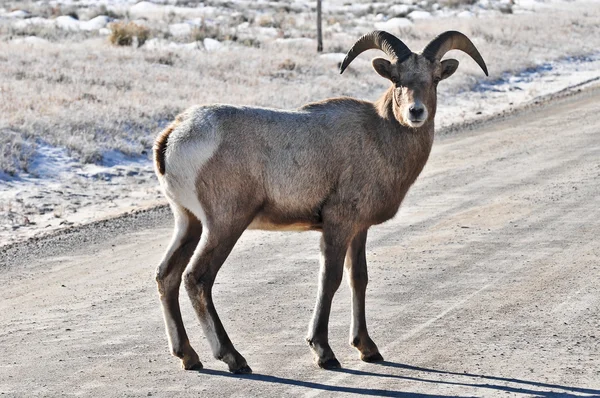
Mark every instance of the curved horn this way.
pixel 453 40
pixel 381 40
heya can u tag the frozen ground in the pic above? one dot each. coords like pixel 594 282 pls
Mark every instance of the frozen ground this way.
pixel 489 97
pixel 60 189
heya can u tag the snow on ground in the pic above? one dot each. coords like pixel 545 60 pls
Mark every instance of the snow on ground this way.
pixel 59 191
pixel 511 90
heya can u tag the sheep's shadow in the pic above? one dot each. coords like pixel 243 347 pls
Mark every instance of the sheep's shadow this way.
pixel 322 386
pixel 535 388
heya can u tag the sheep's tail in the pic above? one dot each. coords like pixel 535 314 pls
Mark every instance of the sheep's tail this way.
pixel 160 146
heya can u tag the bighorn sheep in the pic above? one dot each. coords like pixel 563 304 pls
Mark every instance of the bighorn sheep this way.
pixel 337 166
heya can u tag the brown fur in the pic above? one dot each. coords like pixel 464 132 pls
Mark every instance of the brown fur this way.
pixel 338 166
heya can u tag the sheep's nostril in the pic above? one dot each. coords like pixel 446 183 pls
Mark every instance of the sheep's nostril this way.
pixel 416 111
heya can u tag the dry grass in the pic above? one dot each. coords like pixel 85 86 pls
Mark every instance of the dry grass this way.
pixel 91 96
pixel 16 152
pixel 205 30
pixel 128 33
pixel 51 33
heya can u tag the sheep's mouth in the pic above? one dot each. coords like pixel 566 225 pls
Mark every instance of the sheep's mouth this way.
pixel 416 122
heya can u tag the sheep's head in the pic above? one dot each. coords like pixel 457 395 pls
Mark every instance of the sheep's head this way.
pixel 415 76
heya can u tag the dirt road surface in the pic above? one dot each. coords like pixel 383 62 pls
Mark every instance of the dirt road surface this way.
pixel 487 283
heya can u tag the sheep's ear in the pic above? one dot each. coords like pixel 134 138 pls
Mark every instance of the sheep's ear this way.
pixel 383 67
pixel 448 68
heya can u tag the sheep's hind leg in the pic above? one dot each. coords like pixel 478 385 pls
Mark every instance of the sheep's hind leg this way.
pixel 168 278
pixel 356 265
pixel 215 245
pixel 333 249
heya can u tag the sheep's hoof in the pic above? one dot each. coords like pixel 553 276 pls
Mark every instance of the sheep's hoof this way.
pixel 189 359
pixel 244 370
pixel 376 357
pixel 329 364
pixel 197 366
pixel 191 364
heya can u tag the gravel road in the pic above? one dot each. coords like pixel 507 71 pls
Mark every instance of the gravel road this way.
pixel 487 283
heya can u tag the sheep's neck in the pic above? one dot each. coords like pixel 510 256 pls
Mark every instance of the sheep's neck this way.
pixel 414 143
pixel 387 108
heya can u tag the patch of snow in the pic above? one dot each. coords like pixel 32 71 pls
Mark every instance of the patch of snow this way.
pixel 212 44
pixel 154 44
pixel 206 11
pixel 196 21
pixel 96 23
pixel 399 10
pixel 145 9
pixel 59 191
pixel 416 15
pixel 335 58
pixel 465 14
pixel 67 22
pixel 359 9
pixel 180 29
pixel 33 21
pixel 18 14
pixel 336 27
pixel 113 158
pixel 244 26
pixel 31 40
pixel 50 161
pixel 157 44
pixel 195 45
pixel 393 25
pixel 266 34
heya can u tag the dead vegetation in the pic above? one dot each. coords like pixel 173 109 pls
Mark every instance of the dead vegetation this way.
pixel 16 152
pixel 128 33
pixel 84 94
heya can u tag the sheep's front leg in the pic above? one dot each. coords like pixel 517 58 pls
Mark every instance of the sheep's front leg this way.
pixel 333 250
pixel 356 266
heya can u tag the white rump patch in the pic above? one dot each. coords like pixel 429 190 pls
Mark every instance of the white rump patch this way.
pixel 189 147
